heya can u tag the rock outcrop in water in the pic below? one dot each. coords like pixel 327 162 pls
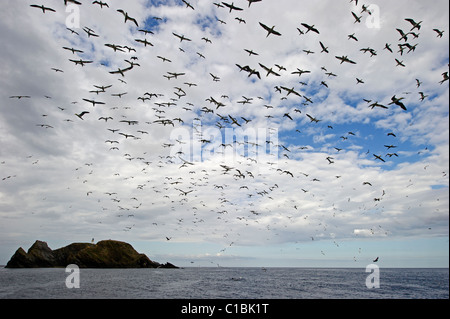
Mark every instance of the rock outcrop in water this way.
pixel 104 254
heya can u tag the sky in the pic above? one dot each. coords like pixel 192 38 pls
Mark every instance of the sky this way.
pixel 201 156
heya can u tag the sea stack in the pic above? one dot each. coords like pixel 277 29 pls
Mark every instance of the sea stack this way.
pixel 104 254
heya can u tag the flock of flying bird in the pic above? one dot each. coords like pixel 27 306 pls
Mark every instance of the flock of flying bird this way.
pixel 243 173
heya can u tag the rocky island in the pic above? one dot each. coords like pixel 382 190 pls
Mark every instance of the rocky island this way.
pixel 104 254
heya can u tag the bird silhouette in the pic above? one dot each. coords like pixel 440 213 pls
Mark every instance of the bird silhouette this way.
pixel 270 30
pixel 397 101
pixel 101 4
pixel 81 62
pixel 20 97
pixel 94 102
pixel 399 63
pixel 344 58
pixel 252 1
pixel 188 5
pixel 72 1
pixel 144 42
pixel 310 28
pixel 43 8
pixel 269 71
pixel 357 19
pixel 415 25
pixel 352 37
pixel 444 77
pixel 250 52
pixel 232 6
pixel 439 33
pixel 313 119
pixel 127 17
pixel 82 114
pixel 181 37
pixel 324 49
pixel 378 157
pixel 73 50
pixel 90 32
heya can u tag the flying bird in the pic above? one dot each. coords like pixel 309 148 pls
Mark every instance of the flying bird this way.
pixel 250 52
pixel 144 42
pixel 121 71
pixel 42 7
pixel 181 37
pixel 101 4
pixel 215 78
pixel 391 134
pixel 90 32
pixel 93 102
pixel 344 58
pixel 300 72
pixel 378 157
pixel 376 104
pixel 422 96
pixel 103 87
pixel 20 97
pixel 290 91
pixel 397 101
pixel 176 75
pixel 324 48
pixel 357 19
pixel 418 83
pixel 269 71
pixel 353 37
pixel 114 47
pixel 439 33
pixel 127 17
pixel 387 47
pixel 126 135
pixel 82 114
pixel 313 119
pixel 416 25
pixel 188 5
pixel 184 193
pixel 404 36
pixel 269 30
pixel 252 1
pixel 399 63
pixel 445 77
pixel 80 62
pixel 73 31
pixel 310 28
pixel 163 59
pixel 280 67
pixel 73 50
pixel 232 6
pixel 72 1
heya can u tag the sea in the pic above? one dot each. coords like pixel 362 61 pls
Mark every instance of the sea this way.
pixel 197 283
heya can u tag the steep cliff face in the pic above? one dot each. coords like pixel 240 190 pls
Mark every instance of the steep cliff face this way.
pixel 39 255
pixel 104 254
pixel 111 254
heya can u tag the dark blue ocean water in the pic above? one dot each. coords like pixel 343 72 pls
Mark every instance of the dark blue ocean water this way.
pixel 225 283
